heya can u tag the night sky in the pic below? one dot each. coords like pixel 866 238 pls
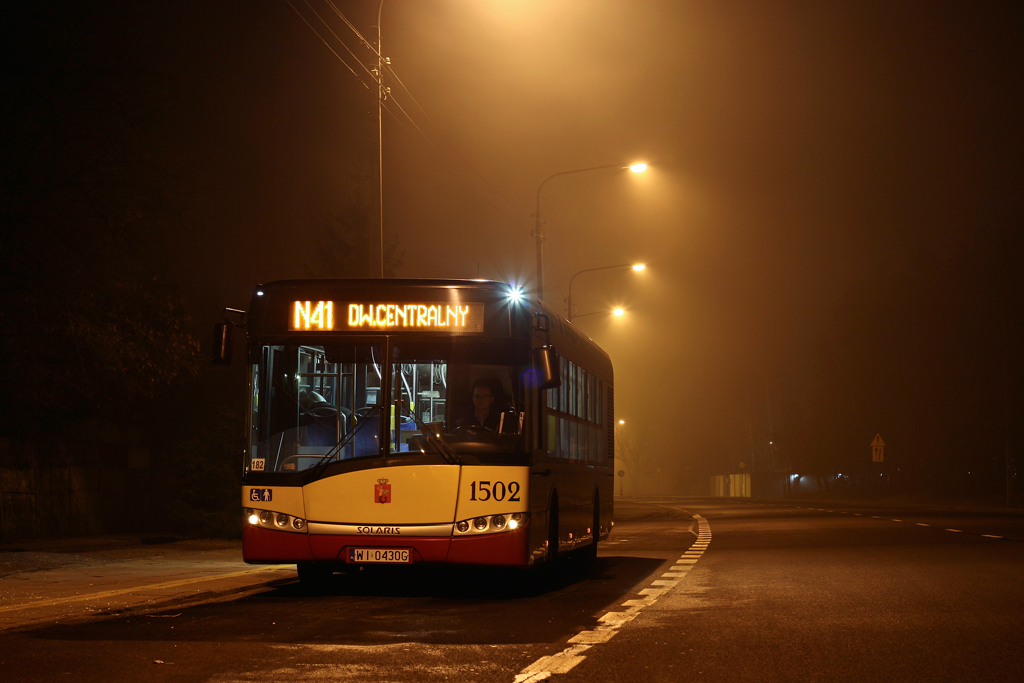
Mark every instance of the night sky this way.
pixel 827 180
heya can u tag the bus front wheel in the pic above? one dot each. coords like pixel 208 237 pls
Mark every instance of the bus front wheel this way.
pixel 590 551
pixel 553 533
pixel 314 575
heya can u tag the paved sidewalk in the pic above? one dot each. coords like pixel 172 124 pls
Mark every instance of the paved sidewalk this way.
pixel 65 580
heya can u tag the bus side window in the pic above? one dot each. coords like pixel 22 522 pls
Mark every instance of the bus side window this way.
pixel 552 445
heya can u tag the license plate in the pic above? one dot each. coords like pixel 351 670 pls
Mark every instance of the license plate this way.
pixel 380 555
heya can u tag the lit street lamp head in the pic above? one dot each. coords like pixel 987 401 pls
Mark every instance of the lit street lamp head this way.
pixel 638 267
pixel 619 311
pixel 638 168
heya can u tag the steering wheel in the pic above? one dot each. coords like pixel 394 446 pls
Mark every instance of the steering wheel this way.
pixel 322 410
pixel 473 430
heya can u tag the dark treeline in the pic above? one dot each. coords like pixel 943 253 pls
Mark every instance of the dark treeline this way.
pixel 102 352
pixel 932 360
pixel 95 336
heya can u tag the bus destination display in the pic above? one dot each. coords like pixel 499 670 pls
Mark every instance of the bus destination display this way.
pixel 332 316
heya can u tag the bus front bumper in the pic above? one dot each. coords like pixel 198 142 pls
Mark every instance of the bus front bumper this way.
pixel 269 546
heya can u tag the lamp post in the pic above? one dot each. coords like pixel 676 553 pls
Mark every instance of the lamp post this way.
pixel 618 311
pixel 538 233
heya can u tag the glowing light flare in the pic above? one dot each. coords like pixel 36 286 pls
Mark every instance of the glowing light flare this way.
pixel 515 294
pixel 639 266
pixel 254 519
pixel 619 312
pixel 638 168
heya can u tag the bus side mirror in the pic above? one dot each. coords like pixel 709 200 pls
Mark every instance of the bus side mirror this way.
pixel 223 337
pixel 545 362
pixel 222 343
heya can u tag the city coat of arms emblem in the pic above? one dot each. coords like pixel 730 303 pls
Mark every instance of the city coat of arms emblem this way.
pixel 382 491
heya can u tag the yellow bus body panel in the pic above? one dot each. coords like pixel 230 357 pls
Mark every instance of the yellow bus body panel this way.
pixel 495 491
pixel 418 494
pixel 286 499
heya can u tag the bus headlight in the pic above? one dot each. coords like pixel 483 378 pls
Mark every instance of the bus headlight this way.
pixel 278 521
pixel 493 524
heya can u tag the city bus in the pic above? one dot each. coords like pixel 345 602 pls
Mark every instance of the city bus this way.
pixel 365 442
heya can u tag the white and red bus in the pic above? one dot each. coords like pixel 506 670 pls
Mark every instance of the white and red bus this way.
pixel 366 445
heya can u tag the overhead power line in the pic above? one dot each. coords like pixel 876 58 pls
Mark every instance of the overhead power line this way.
pixel 313 29
pixel 445 153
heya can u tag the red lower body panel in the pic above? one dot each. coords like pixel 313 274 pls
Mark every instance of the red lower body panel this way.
pixel 267 546
pixel 507 548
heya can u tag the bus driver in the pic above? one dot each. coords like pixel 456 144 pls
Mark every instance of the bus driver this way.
pixel 484 413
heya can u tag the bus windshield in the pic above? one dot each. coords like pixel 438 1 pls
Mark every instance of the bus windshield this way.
pixel 315 403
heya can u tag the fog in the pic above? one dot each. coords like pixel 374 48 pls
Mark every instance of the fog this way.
pixel 821 176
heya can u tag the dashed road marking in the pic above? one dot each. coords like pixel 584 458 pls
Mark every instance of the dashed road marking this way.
pixel 990 536
pixel 955 531
pixel 922 524
pixel 610 622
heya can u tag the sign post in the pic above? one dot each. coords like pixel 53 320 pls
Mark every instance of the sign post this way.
pixel 877 449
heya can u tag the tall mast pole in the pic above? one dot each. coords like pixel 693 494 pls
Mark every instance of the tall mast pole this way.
pixel 380 134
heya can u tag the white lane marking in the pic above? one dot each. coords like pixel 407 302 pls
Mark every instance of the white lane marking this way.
pixel 990 536
pixel 922 524
pixel 875 517
pixel 610 622
pixel 897 520
pixel 955 531
pixel 592 637
pixel 857 514
pixel 638 603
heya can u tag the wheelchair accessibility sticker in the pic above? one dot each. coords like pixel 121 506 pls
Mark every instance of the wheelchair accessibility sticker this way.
pixel 261 495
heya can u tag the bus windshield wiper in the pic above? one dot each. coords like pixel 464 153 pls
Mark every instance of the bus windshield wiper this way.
pixel 446 451
pixel 320 464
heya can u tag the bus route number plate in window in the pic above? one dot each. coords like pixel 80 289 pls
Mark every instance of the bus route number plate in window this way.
pixel 380 555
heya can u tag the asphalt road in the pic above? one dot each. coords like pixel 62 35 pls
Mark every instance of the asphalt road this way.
pixel 764 593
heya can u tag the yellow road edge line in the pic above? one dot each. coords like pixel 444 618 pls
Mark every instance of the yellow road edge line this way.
pixel 122 591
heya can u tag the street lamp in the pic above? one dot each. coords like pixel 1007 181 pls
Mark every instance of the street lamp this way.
pixel 539 233
pixel 618 311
